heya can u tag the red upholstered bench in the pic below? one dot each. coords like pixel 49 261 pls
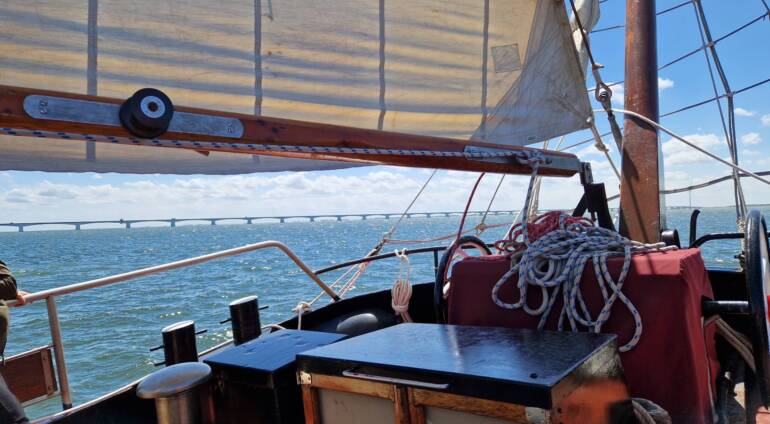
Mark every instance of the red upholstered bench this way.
pixel 673 364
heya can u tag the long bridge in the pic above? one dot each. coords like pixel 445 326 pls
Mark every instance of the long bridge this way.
pixel 128 223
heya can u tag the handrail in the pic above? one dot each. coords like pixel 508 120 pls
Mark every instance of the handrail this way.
pixel 104 281
pixel 51 294
pixel 718 236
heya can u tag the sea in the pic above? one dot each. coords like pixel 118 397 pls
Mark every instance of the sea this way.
pixel 108 331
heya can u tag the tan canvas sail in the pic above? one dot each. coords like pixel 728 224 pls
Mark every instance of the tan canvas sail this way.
pixel 498 71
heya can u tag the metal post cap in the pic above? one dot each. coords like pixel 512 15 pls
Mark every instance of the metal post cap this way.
pixel 242 300
pixel 173 380
pixel 177 326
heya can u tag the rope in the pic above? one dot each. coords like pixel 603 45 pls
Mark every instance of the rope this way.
pixel 641 414
pixel 649 412
pixel 738 341
pixel 401 292
pixel 482 226
pixel 300 309
pixel 683 140
pixel 477 228
pixel 256 147
pixel 361 268
pixel 602 92
pixel 272 327
pixel 468 205
pixel 603 148
pixel 408 208
pixel 552 257
pixel 534 205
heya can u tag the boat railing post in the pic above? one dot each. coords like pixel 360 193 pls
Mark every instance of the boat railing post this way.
pixel 58 351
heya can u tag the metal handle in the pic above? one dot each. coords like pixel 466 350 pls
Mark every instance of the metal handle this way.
pixel 394 380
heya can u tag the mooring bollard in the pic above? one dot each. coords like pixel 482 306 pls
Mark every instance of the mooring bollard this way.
pixel 179 343
pixel 244 318
pixel 175 391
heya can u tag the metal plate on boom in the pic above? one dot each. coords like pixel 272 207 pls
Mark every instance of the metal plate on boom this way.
pixel 100 113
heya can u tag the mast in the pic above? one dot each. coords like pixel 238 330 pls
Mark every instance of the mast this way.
pixel 640 200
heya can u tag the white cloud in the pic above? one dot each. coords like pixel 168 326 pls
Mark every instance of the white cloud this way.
pixel 766 120
pixel 378 189
pixel 677 153
pixel 743 112
pixel 664 83
pixel 751 138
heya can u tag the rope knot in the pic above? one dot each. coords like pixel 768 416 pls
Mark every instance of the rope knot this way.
pixel 531 157
pixel 300 309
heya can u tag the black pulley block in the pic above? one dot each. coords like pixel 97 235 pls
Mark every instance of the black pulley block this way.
pixel 147 113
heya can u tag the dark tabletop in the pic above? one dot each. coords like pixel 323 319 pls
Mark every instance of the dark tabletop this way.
pixel 271 352
pixel 503 354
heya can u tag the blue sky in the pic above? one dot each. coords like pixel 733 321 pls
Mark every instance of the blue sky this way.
pixel 35 196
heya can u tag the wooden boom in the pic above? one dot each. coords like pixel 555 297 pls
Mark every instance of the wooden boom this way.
pixel 78 116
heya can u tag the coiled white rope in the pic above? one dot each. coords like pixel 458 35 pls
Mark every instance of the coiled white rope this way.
pixel 401 292
pixel 555 262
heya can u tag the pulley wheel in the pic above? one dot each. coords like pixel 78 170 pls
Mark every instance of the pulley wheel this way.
pixel 758 284
pixel 462 248
pixel 147 113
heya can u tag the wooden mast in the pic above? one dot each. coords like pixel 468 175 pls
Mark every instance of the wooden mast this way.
pixel 640 201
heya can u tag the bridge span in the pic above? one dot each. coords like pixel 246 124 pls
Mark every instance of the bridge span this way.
pixel 128 223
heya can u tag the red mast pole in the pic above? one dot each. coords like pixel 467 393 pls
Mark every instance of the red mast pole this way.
pixel 640 201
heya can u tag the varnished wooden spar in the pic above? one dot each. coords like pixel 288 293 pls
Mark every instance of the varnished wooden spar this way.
pixel 276 131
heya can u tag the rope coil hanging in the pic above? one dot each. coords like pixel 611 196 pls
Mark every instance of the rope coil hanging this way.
pixel 401 293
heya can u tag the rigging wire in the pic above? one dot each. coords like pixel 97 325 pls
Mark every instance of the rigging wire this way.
pixel 482 225
pixel 673 112
pixel 729 129
pixel 468 205
pixel 417 196
pixel 700 185
pixel 361 268
pixel 694 146
pixel 721 96
pixel 662 12
pixel 716 41
pixel 602 92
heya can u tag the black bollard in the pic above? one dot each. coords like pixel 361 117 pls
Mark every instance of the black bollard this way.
pixel 179 343
pixel 244 316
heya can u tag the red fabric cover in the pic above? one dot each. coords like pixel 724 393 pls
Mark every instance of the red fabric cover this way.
pixel 670 365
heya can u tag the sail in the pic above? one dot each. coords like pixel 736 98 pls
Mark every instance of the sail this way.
pixel 498 71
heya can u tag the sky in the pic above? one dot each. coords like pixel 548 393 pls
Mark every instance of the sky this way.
pixel 38 196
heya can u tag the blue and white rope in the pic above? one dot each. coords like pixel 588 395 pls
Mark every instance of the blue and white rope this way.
pixel 254 148
pixel 555 262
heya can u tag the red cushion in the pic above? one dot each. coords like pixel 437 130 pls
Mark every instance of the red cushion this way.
pixel 672 363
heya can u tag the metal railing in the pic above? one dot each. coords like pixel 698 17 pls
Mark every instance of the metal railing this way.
pixel 51 294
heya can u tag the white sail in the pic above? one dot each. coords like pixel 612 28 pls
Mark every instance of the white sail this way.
pixel 500 71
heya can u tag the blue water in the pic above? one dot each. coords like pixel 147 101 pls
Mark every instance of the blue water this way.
pixel 108 331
